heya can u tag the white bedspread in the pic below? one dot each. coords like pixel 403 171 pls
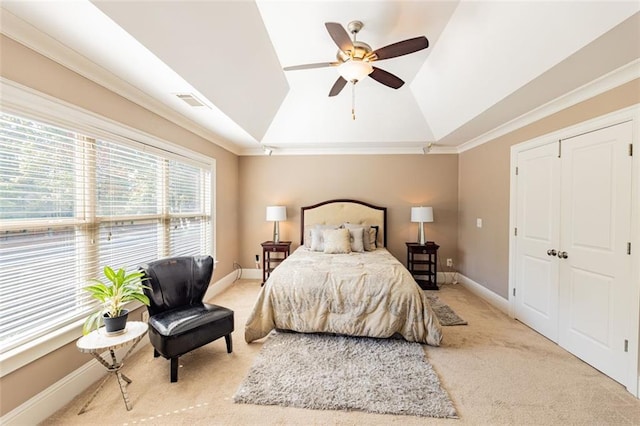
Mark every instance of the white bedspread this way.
pixel 358 294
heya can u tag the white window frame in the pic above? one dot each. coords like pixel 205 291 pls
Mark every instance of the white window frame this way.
pixel 21 100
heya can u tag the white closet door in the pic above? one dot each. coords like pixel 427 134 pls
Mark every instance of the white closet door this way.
pixel 595 287
pixel 538 209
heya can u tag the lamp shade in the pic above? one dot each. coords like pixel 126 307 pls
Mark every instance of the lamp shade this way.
pixel 276 213
pixel 421 214
pixel 355 70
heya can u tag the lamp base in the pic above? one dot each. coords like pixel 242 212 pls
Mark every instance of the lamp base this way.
pixel 421 239
pixel 276 232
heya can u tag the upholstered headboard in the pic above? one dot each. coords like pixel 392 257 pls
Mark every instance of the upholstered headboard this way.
pixel 337 212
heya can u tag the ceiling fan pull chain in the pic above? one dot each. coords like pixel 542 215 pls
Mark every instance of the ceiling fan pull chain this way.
pixel 353 100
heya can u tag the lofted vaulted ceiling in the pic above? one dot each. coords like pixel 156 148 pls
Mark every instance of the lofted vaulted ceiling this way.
pixel 489 63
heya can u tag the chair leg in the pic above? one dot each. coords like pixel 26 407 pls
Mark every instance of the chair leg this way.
pixel 174 369
pixel 227 338
pixel 156 354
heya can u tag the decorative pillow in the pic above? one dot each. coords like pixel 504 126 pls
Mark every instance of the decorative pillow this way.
pixel 356 239
pixel 316 236
pixel 337 241
pixel 365 234
pixel 317 239
pixel 373 237
pixel 307 236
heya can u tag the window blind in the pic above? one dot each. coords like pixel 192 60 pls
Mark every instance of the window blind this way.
pixel 71 204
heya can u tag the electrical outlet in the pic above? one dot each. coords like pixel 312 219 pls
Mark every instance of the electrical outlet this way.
pixel 145 316
pixel 449 262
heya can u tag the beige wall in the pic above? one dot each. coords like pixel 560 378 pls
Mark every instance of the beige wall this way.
pixel 28 68
pixel 484 188
pixel 397 182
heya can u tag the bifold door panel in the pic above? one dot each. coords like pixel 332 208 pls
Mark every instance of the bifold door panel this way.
pixel 595 289
pixel 538 207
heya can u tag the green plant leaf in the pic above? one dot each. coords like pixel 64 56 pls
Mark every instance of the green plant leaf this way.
pixel 108 272
pixel 141 298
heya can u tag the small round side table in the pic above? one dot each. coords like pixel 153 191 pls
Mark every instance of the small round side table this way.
pixel 98 341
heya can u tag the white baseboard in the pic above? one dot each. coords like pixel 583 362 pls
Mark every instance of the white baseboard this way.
pixel 252 274
pixel 484 293
pixel 220 286
pixel 38 408
pixel 447 277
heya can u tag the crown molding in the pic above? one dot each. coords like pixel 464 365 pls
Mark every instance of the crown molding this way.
pixel 36 40
pixel 609 81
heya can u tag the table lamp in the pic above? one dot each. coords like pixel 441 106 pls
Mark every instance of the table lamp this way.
pixel 276 214
pixel 421 215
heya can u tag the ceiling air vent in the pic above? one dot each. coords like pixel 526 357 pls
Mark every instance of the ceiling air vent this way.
pixel 190 99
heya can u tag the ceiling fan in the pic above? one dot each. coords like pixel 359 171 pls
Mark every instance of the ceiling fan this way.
pixel 354 57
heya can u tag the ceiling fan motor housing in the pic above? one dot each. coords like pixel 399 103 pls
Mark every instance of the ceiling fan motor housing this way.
pixel 361 50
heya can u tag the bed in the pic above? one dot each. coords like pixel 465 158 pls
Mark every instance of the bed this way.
pixel 353 287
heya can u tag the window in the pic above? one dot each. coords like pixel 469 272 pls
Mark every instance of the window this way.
pixel 71 203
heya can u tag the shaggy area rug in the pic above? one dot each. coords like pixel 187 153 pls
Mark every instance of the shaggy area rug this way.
pixel 445 314
pixel 327 372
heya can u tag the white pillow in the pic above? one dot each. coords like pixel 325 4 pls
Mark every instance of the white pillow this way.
pixel 356 239
pixel 316 240
pixel 307 236
pixel 337 241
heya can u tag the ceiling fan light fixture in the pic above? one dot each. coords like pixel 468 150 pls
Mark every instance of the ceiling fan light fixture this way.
pixel 354 70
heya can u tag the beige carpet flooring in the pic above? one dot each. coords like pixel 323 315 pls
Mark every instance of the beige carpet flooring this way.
pixel 497 371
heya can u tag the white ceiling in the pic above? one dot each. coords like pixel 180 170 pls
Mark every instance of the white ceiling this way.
pixel 488 64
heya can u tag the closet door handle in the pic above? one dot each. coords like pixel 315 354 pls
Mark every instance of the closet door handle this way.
pixel 551 252
pixel 563 255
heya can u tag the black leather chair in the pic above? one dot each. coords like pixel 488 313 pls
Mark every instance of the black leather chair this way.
pixel 178 319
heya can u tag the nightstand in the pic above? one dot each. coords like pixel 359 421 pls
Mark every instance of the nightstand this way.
pixel 422 263
pixel 272 254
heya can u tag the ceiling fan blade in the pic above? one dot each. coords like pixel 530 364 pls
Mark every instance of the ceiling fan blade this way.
pixel 338 86
pixel 386 78
pixel 400 48
pixel 310 66
pixel 339 36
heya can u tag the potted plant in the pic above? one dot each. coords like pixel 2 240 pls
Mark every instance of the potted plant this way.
pixel 113 295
